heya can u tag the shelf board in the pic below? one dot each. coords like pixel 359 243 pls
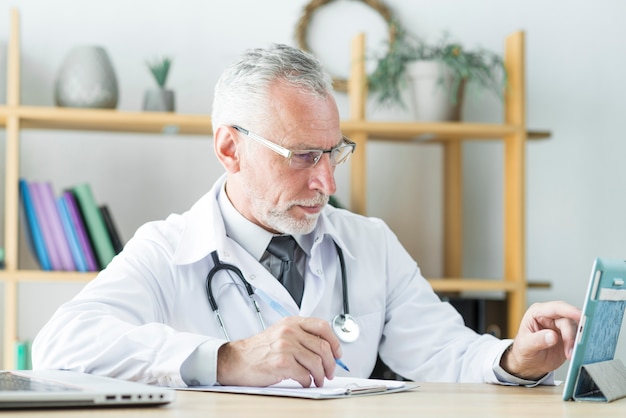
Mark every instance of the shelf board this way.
pixel 434 131
pixel 463 285
pixel 439 284
pixel 46 276
pixel 107 120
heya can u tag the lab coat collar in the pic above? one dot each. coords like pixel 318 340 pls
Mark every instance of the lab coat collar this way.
pixel 325 228
pixel 204 230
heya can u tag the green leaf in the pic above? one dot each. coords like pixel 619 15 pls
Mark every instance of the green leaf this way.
pixel 160 67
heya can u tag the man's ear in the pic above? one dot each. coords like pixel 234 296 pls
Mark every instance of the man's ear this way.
pixel 226 144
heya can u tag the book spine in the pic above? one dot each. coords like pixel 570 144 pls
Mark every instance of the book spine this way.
pixel 21 355
pixel 33 227
pixel 95 224
pixel 67 262
pixel 79 226
pixel 114 234
pixel 36 193
pixel 70 234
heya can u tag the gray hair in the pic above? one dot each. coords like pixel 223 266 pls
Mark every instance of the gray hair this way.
pixel 242 92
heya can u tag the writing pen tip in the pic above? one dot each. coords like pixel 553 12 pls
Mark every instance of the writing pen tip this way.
pixel 342 364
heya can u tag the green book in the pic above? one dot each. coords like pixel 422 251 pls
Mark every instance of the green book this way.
pixel 95 224
pixel 21 355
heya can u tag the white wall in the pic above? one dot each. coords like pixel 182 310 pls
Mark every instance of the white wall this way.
pixel 575 185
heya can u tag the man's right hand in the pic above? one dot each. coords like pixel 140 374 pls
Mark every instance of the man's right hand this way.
pixel 302 349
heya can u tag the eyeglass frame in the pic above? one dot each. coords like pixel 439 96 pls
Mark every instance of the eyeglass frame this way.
pixel 288 154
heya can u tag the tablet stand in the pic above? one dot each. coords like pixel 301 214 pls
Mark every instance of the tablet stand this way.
pixel 604 381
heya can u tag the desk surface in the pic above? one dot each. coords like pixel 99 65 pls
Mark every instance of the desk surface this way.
pixel 430 399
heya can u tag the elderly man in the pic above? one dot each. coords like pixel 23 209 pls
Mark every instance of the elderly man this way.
pixel 253 284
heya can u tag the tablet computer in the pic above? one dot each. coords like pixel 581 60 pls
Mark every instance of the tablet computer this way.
pixel 599 328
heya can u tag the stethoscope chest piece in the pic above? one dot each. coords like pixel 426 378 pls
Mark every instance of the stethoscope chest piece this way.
pixel 346 328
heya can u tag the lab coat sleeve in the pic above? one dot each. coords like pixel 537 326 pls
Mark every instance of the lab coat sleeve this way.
pixel 425 339
pixel 117 325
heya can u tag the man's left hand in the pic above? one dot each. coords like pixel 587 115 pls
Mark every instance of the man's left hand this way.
pixel 544 341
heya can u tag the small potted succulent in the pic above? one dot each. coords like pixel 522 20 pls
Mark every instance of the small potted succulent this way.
pixel 437 73
pixel 160 99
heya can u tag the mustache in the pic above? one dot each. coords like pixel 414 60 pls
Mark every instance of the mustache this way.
pixel 320 200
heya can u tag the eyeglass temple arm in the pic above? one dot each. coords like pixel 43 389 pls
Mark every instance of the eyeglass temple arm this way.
pixel 274 147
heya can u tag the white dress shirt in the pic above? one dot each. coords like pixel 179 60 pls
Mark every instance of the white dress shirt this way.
pixel 146 316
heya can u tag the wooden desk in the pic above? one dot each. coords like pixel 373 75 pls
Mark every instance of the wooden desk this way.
pixel 429 400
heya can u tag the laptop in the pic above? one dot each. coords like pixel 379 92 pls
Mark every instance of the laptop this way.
pixel 61 389
pixel 594 374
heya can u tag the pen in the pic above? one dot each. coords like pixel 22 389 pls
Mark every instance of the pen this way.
pixel 283 312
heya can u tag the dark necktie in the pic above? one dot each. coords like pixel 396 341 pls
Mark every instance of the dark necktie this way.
pixel 284 247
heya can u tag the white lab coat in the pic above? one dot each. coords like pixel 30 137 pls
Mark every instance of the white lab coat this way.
pixel 142 316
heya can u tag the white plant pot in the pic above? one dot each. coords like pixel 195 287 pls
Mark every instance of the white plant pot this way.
pixel 430 85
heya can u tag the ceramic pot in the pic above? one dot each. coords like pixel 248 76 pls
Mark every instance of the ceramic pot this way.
pixel 159 100
pixel 431 96
pixel 86 79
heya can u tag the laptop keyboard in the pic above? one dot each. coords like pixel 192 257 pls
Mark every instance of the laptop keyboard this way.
pixel 13 382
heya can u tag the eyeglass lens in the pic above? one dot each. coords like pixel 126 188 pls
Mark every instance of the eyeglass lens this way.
pixel 308 159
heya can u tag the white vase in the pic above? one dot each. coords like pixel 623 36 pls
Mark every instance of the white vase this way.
pixel 431 98
pixel 86 79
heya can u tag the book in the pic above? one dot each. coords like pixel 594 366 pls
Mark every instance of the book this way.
pixel 114 234
pixel 79 227
pixel 71 235
pixel 58 235
pixel 21 355
pixel 36 193
pixel 33 229
pixel 94 221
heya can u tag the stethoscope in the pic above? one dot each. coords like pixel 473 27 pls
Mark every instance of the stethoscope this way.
pixel 344 325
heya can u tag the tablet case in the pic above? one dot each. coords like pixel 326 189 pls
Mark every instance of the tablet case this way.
pixel 594 374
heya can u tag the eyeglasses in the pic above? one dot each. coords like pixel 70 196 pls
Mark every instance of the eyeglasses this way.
pixel 306 158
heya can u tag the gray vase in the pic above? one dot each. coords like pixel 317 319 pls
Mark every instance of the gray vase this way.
pixel 86 79
pixel 159 100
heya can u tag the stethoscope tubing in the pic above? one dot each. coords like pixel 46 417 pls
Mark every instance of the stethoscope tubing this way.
pixel 217 266
pixel 344 282
pixel 343 324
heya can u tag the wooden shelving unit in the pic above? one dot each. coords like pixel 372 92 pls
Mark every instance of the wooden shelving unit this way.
pixel 451 135
pixel 14 117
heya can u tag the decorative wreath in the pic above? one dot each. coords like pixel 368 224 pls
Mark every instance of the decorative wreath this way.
pixel 303 24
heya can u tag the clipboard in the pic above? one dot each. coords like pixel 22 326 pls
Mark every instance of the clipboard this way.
pixel 594 374
pixel 339 387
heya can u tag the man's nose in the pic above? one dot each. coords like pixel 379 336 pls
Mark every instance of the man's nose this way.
pixel 323 176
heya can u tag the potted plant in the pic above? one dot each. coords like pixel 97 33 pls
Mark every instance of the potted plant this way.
pixel 161 98
pixel 438 73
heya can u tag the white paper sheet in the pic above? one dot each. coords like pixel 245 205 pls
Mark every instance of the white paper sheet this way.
pixel 339 387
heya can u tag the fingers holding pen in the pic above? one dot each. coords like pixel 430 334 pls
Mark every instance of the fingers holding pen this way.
pixel 302 349
pixel 320 348
pixel 315 345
